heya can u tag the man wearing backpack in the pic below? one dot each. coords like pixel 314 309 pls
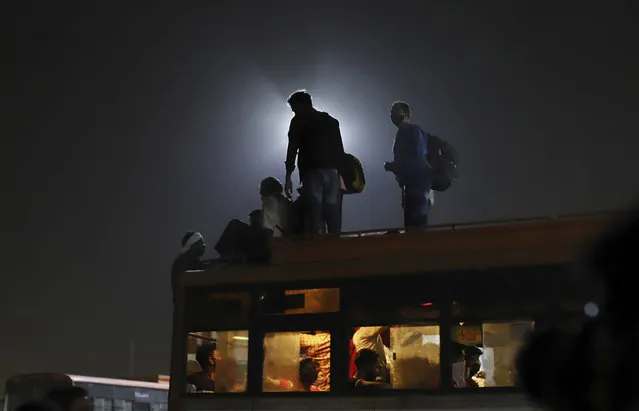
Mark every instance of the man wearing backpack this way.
pixel 410 167
pixel 314 138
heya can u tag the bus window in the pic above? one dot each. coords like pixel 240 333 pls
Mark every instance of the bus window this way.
pixel 484 354
pixel 216 361
pixel 308 301
pixel 297 361
pixel 102 404
pixel 141 406
pixel 408 356
pixel 122 405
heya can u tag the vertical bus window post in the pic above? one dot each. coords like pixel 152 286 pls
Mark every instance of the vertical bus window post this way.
pixel 256 346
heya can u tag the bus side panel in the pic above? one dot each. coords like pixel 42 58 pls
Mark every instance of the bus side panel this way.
pixel 468 402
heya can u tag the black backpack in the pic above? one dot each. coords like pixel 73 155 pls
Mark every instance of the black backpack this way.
pixel 442 158
pixel 353 174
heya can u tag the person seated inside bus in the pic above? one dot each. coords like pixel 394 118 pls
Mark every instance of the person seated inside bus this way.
pixel 317 346
pixel 270 381
pixel 281 366
pixel 368 373
pixel 309 371
pixel 226 376
pixel 206 356
pixel 376 339
pixel 459 366
pixel 70 398
pixel 473 366
pixel 192 250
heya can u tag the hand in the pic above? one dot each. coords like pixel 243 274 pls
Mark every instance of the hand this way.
pixel 388 166
pixel 288 187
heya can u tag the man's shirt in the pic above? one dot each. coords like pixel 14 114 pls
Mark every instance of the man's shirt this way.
pixel 409 155
pixel 315 139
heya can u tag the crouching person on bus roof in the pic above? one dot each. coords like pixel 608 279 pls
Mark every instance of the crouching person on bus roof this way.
pixel 410 167
pixel 276 208
pixel 193 247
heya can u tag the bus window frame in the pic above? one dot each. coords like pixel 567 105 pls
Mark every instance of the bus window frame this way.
pixel 340 325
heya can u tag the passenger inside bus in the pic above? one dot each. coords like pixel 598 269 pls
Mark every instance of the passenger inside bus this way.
pixel 309 372
pixel 206 356
pixel 285 368
pixel 459 367
pixel 408 355
pixel 226 376
pixel 368 371
pixel 372 338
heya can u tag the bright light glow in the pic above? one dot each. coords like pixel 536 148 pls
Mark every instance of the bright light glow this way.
pixel 268 116
pixel 591 309
pixel 240 338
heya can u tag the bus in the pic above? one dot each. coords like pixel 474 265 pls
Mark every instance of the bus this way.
pixel 445 310
pixel 107 394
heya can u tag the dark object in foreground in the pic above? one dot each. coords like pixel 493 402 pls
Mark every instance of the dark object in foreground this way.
pixel 592 366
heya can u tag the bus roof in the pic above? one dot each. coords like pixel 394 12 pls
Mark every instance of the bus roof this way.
pixel 480 245
pixel 120 382
pixel 83 378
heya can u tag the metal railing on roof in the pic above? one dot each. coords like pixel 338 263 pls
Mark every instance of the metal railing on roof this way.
pixel 465 225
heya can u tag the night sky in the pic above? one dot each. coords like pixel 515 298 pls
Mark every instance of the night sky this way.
pixel 126 126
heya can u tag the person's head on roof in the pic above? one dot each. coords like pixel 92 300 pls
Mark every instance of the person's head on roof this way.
pixel 193 243
pixel 270 187
pixel 300 102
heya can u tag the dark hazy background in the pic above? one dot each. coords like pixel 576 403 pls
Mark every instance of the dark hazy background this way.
pixel 126 124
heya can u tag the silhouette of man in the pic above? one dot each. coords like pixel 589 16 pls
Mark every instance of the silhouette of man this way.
pixel 314 137
pixel 410 167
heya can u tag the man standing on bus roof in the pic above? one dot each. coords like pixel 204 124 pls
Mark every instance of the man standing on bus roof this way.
pixel 410 166
pixel 315 138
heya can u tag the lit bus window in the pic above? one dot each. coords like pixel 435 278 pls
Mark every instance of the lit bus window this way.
pixel 297 361
pixel 217 361
pixel 307 301
pixel 407 357
pixel 484 354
